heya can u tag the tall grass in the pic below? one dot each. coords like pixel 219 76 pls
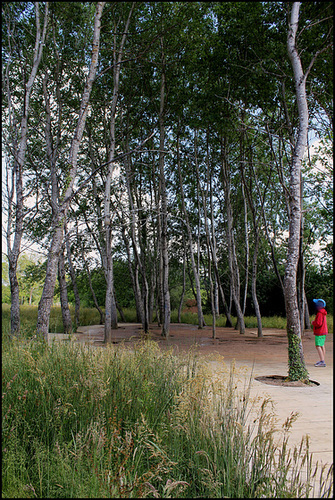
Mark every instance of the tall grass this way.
pixel 91 422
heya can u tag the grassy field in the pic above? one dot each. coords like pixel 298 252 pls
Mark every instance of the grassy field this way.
pixel 88 422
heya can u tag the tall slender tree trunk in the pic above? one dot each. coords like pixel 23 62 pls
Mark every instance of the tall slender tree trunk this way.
pixel 232 260
pixel 110 303
pixel 297 368
pixel 247 251
pixel 66 316
pixel 141 297
pixel 254 285
pixel 157 237
pixel 211 290
pixel 190 241
pixel 163 239
pixel 73 280
pixel 306 311
pixel 301 266
pixel 184 284
pixel 133 272
pixel 255 221
pixel 209 245
pixel 218 285
pixel 245 206
pixel 45 303
pixel 95 300
pixel 141 254
pixel 19 152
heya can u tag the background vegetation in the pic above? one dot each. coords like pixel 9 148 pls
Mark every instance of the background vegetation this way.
pixel 31 274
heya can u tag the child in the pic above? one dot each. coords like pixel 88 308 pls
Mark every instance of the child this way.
pixel 320 330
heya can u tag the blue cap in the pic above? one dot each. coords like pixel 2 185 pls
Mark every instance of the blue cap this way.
pixel 319 302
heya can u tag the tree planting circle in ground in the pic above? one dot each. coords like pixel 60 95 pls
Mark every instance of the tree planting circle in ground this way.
pixel 284 382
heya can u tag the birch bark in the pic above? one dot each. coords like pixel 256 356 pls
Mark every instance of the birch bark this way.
pixel 133 272
pixel 190 241
pixel 73 279
pixel 45 303
pixel 210 249
pixel 66 316
pixel 110 302
pixel 19 151
pixel 142 299
pixel 164 242
pixel 297 368
pixel 83 251
pixel 232 260
pixel 218 285
pixel 184 283
pixel 52 147
pixel 255 222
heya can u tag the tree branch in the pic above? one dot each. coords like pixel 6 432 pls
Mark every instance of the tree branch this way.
pixel 317 53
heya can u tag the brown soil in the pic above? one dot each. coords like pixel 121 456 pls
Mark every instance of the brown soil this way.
pixel 284 382
pixel 229 343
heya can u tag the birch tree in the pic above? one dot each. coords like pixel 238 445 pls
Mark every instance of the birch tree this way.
pixel 16 140
pixel 232 259
pixel 110 303
pixel 59 220
pixel 297 367
pixel 164 257
pixel 189 237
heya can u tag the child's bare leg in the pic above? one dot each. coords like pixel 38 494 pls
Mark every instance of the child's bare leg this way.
pixel 324 352
pixel 320 352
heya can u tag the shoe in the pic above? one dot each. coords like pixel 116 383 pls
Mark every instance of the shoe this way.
pixel 320 363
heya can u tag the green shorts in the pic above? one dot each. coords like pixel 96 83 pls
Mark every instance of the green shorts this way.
pixel 320 340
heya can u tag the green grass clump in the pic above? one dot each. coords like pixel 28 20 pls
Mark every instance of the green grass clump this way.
pixel 79 421
pixel 277 322
pixel 186 317
pixel 87 316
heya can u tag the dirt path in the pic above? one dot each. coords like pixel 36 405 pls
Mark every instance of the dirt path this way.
pixel 228 343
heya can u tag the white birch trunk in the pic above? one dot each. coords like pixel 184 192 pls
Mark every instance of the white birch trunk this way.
pixel 232 259
pixel 163 239
pixel 246 251
pixel 66 316
pixel 253 203
pixel 45 303
pixel 102 317
pixel 110 302
pixel 297 368
pixel 141 299
pixel 13 250
pixel 190 242
pixel 210 249
pixel 184 284
pixel 73 279
pixel 254 285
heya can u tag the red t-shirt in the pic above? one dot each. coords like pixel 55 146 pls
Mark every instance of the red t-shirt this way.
pixel 320 323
